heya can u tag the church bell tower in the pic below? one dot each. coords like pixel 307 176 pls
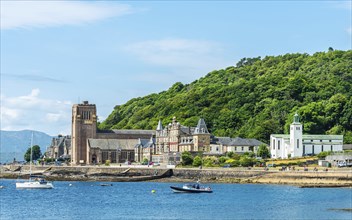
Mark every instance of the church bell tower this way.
pixel 84 126
pixel 296 146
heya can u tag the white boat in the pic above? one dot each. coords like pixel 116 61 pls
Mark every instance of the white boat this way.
pixel 34 182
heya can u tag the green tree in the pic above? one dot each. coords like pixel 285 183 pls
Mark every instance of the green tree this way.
pixel 230 154
pixel 222 159
pixel 197 161
pixel 36 153
pixel 210 161
pixel 323 154
pixel 254 99
pixel 187 158
pixel 263 151
pixel 145 161
pixel 246 161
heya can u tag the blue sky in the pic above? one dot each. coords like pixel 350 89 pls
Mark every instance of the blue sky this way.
pixel 58 53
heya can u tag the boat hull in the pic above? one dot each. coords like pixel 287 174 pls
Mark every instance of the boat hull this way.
pixel 34 185
pixel 189 190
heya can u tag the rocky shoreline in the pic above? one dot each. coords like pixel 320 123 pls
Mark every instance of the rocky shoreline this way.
pixel 321 178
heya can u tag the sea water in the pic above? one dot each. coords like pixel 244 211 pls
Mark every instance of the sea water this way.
pixel 153 200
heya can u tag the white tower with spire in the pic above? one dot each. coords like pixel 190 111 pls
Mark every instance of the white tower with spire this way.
pixel 296 145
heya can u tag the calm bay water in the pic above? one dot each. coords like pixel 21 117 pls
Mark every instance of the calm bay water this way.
pixel 89 200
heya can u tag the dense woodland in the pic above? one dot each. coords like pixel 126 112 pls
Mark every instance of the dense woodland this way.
pixel 255 98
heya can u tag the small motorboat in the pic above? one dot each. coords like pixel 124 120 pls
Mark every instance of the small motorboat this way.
pixel 106 184
pixel 191 188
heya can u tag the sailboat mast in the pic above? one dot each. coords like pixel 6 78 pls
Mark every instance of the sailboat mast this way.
pixel 30 160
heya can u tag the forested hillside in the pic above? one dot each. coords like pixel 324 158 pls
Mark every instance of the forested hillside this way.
pixel 255 98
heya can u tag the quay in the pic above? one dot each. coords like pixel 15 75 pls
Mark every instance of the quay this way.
pixel 336 177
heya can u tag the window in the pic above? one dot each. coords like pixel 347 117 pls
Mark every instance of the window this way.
pixel 278 145
pixel 298 128
pixel 242 148
pixel 85 115
pixel 297 143
pixel 304 149
pixel 274 144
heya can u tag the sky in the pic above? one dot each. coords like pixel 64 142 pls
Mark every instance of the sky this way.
pixel 58 53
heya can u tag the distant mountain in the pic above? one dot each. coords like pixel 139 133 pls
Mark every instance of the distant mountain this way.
pixel 14 144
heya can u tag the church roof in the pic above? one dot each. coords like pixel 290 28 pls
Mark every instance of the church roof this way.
pixel 311 136
pixel 112 144
pixel 128 131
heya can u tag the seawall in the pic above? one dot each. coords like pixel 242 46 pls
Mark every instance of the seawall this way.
pixel 321 178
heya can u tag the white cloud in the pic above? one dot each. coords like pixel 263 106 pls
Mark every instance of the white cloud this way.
pixel 35 113
pixel 349 30
pixel 174 52
pixel 188 57
pixel 346 5
pixel 24 14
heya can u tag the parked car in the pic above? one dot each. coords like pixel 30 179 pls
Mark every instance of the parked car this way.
pixel 344 164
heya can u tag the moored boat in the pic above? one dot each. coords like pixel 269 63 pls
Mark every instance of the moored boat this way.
pixel 191 188
pixel 35 182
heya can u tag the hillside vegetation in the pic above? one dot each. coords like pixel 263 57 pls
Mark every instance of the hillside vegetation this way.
pixel 255 98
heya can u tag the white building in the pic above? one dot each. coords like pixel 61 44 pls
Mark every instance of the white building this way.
pixel 297 145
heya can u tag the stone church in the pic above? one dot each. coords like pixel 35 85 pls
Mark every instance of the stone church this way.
pixel 90 146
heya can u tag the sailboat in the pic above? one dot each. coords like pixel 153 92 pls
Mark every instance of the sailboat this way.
pixel 34 182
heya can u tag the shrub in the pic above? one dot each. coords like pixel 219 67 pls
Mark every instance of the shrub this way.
pixel 210 161
pixel 197 161
pixel 107 163
pixel 233 162
pixel 187 158
pixel 246 161
pixel 230 154
pixel 222 159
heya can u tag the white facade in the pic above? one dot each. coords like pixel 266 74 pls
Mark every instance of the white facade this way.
pixel 297 145
pixel 295 148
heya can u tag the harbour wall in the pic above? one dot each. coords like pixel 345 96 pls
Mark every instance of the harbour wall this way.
pixel 320 178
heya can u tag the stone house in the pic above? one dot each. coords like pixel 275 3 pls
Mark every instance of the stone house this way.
pixel 60 147
pixel 221 145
